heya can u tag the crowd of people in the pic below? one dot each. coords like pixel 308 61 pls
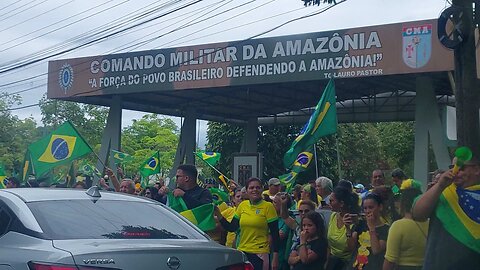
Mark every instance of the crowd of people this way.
pixel 320 225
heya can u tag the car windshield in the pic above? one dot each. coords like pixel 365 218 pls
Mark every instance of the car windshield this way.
pixel 85 219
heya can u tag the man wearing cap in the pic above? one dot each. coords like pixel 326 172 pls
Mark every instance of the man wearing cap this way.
pixel 454 232
pixel 273 188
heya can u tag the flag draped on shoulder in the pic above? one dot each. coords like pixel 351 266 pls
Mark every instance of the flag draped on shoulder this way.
pixel 211 158
pixel 62 146
pixel 119 157
pixel 3 177
pixel 201 216
pixel 322 122
pixel 151 165
pixel 457 209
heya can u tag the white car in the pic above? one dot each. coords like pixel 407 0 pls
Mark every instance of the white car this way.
pixel 63 229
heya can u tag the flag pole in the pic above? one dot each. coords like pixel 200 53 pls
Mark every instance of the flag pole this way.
pixel 316 161
pixel 219 172
pixel 338 157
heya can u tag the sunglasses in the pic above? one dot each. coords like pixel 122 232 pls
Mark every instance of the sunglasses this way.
pixel 304 211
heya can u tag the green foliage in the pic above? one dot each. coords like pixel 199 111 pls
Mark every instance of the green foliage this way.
pixel 225 139
pixel 363 148
pixel 15 135
pixel 360 153
pixel 397 142
pixel 89 120
pixel 147 135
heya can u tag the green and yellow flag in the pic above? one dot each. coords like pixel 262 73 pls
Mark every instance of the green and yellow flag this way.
pixel 219 195
pixel 27 167
pixel 288 180
pixel 457 209
pixel 322 122
pixel 119 157
pixel 201 216
pixel 211 158
pixel 62 146
pixel 89 170
pixel 151 165
pixel 3 177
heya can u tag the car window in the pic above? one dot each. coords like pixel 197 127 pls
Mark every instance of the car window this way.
pixel 84 219
pixel 5 220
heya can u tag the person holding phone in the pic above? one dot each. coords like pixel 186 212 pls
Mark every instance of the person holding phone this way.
pixel 368 238
pixel 343 202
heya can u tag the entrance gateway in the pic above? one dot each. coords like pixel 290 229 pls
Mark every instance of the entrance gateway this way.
pixel 393 72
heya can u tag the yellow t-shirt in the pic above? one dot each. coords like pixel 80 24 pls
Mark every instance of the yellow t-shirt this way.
pixel 337 239
pixel 254 219
pixel 228 214
pixel 406 242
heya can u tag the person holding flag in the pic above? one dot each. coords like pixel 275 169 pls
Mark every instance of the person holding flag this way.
pixel 452 205
pixel 188 188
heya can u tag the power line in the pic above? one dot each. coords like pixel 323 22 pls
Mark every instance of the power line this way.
pixel 21 11
pixel 9 5
pixel 272 29
pixel 3 14
pixel 26 63
pixel 39 15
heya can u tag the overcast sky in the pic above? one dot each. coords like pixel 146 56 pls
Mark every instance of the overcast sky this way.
pixel 34 29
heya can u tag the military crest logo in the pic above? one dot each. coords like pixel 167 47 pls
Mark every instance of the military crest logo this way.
pixel 65 77
pixel 417 45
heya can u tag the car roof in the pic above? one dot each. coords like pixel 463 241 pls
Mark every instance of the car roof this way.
pixel 54 194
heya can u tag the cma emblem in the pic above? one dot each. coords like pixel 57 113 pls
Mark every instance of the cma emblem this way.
pixel 99 261
pixel 424 29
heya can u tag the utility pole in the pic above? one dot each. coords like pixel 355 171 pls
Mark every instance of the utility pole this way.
pixel 466 83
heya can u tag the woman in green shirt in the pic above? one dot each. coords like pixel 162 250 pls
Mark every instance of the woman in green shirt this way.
pixel 342 201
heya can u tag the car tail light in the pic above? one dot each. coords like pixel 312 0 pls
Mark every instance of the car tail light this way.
pixel 43 266
pixel 46 266
pixel 238 266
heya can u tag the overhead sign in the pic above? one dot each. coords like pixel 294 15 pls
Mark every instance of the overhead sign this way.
pixel 351 53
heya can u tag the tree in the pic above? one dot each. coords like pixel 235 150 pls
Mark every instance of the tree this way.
pixel 147 135
pixel 89 120
pixel 15 135
pixel 225 139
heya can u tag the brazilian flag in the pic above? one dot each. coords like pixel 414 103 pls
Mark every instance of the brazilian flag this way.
pixel 303 160
pixel 89 170
pixel 3 177
pixel 288 180
pixel 120 157
pixel 62 146
pixel 219 195
pixel 211 158
pixel 457 209
pixel 201 216
pixel 322 122
pixel 151 165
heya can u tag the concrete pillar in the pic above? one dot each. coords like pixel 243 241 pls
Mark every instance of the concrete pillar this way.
pixel 428 129
pixel 111 138
pixel 186 146
pixel 250 139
